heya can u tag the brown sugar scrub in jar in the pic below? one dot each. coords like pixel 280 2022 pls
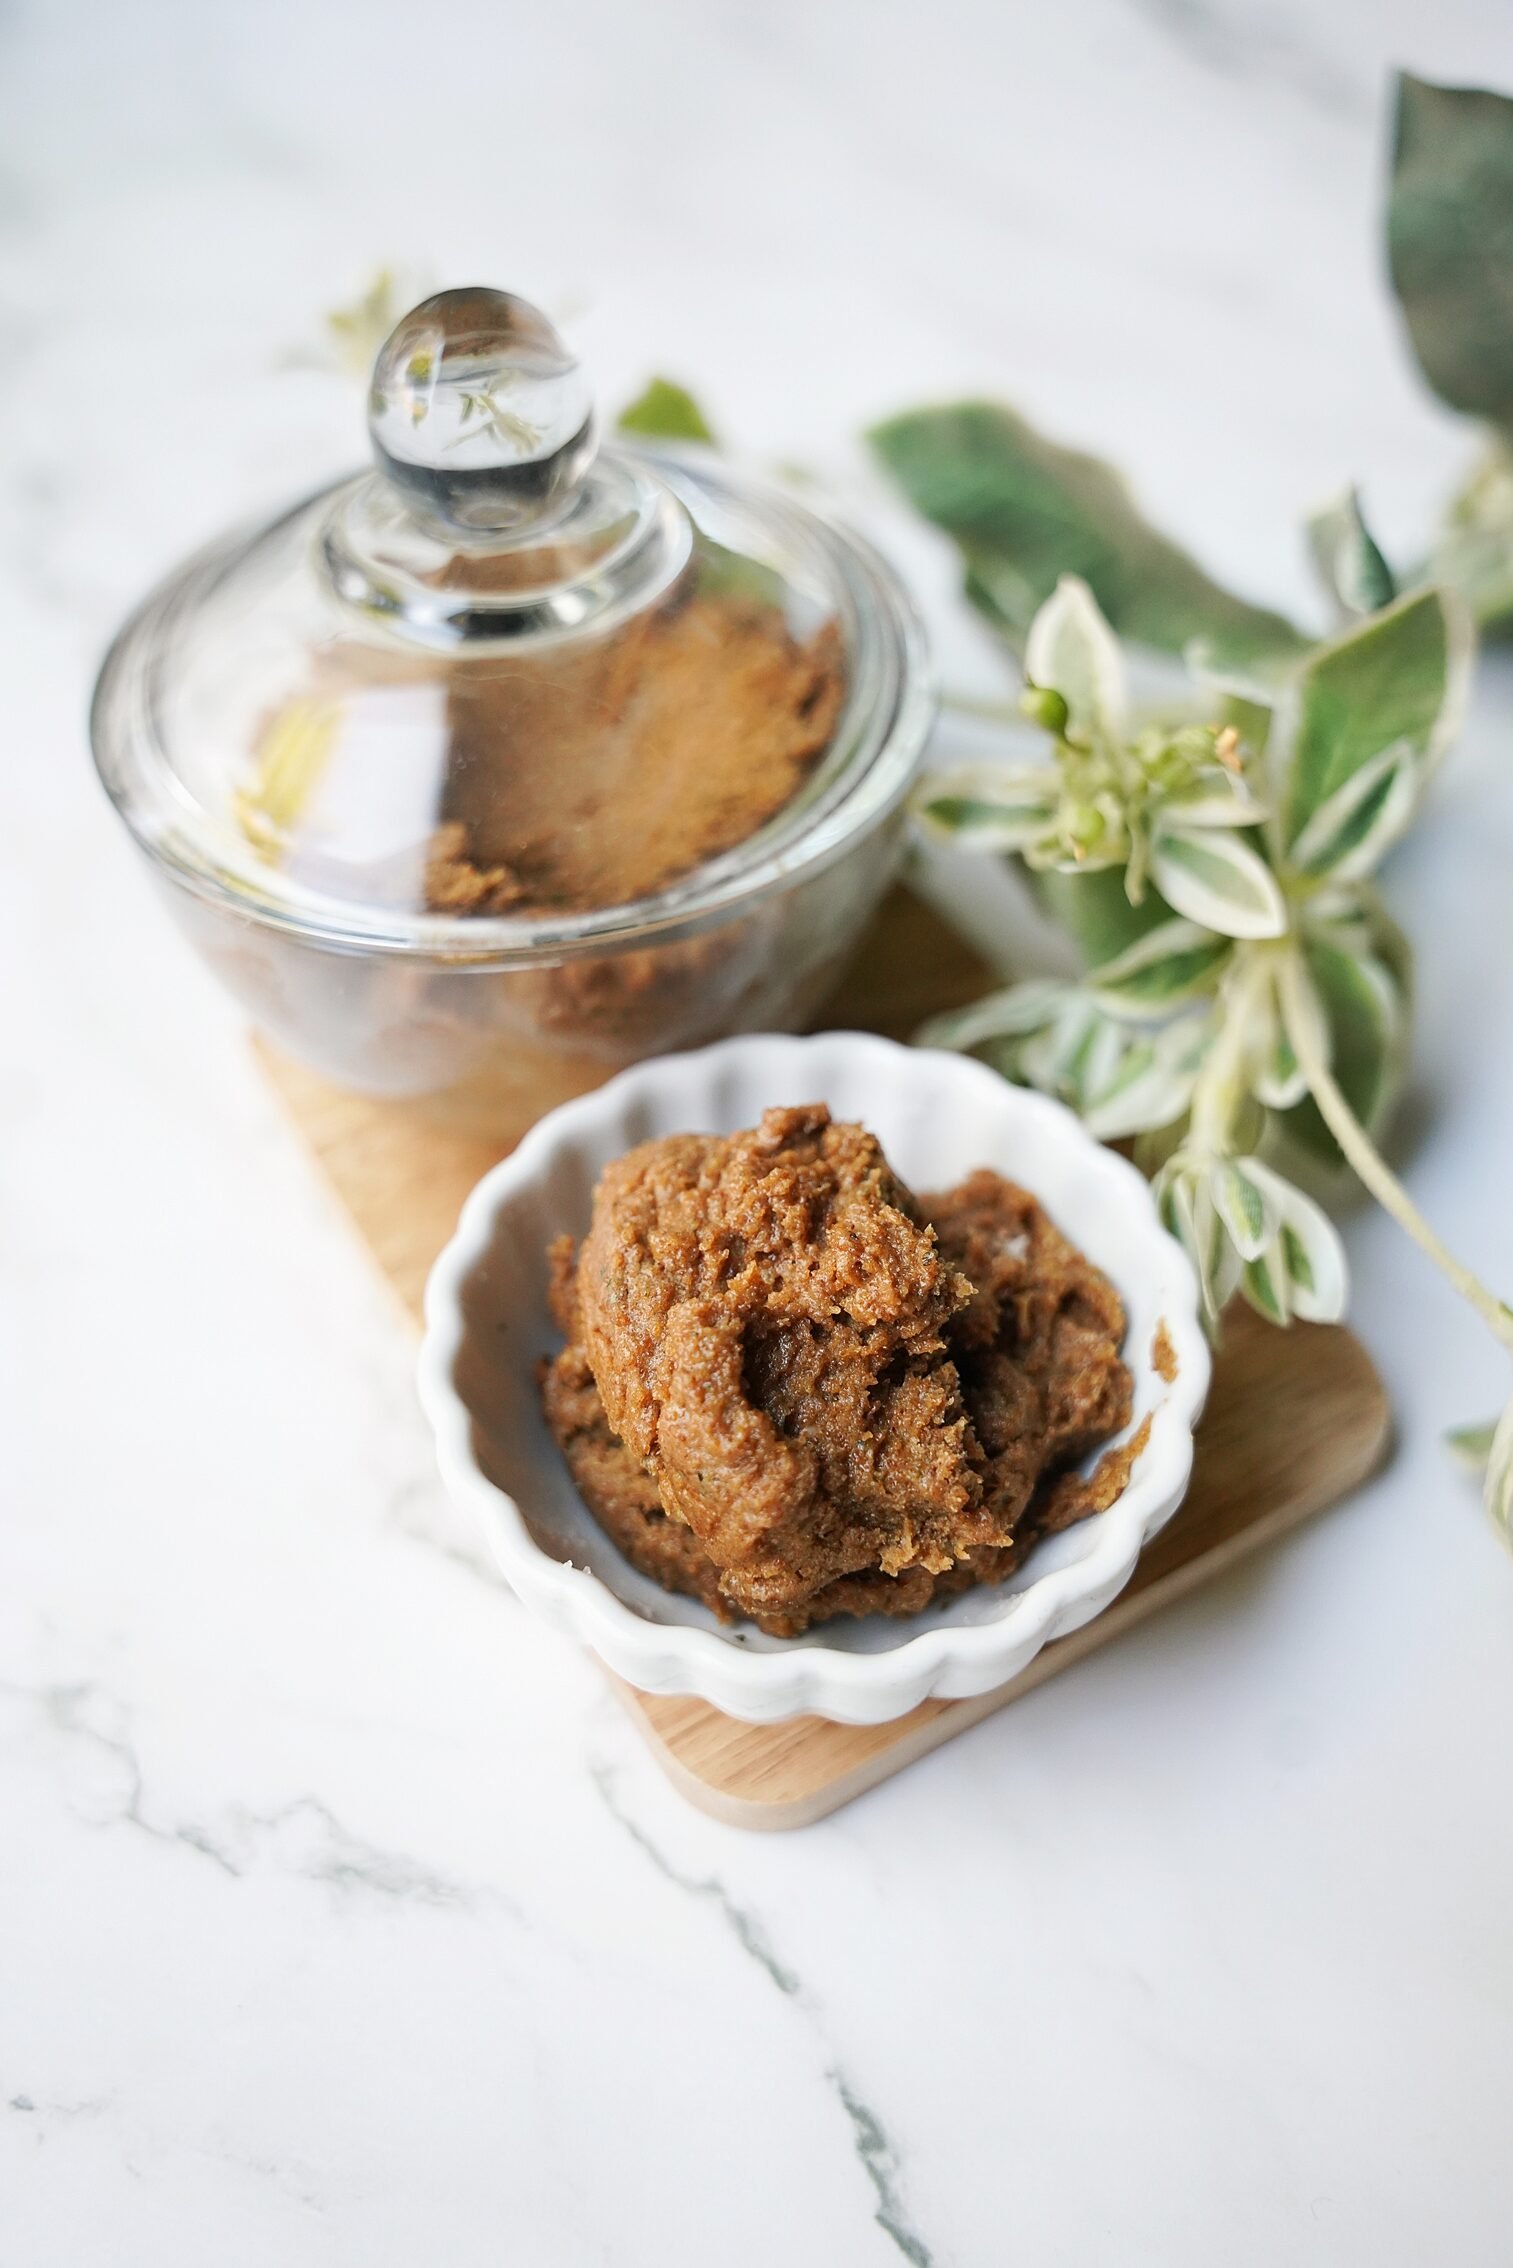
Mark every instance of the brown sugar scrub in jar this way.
pixel 794 1390
pixel 674 743
pixel 522 755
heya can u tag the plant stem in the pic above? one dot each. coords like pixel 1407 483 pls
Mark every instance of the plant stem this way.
pixel 1363 1156
pixel 1221 1084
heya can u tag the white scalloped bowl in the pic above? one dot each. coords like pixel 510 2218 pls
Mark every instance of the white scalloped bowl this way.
pixel 937 1116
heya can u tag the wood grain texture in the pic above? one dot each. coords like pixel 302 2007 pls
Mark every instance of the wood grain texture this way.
pixel 403 1177
pixel 1296 1419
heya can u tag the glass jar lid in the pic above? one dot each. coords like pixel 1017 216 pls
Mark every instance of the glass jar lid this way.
pixel 512 691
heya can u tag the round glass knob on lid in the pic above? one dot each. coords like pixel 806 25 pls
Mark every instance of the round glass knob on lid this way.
pixel 494 517
pixel 479 413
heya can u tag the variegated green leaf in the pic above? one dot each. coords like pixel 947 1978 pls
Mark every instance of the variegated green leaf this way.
pixel 1301 1279
pixel 1264 1283
pixel 1498 1495
pixel 1174 963
pixel 1350 918
pixel 1151 1084
pixel 1072 649
pixel 1471 1445
pixel 1473 550
pixel 1185 1204
pixel 1215 879
pixel 991 807
pixel 1351 833
pixel 1350 567
pixel 1096 1061
pixel 1308 1254
pixel 1002 1056
pixel 1076 1051
pixel 1397 678
pixel 1217 798
pixel 1011 1014
pixel 1123 1104
pixel 1277 1078
pixel 1363 1005
pixel 1225 1268
pixel 1176 1202
pixel 1246 1207
pixel 1120 1079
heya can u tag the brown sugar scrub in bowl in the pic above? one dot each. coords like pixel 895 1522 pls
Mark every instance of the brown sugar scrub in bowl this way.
pixel 794 1390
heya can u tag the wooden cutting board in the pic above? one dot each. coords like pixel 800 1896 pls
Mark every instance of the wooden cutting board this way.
pixel 1296 1419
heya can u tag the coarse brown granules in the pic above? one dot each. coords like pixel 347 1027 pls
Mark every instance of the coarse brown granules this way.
pixel 588 780
pixel 822 1406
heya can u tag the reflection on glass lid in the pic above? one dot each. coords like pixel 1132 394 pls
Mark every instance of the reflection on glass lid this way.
pixel 507 677
pixel 479 413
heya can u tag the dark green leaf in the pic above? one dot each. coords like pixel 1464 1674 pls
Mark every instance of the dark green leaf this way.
pixel 1396 677
pixel 1024 511
pixel 1350 566
pixel 666 412
pixel 1450 241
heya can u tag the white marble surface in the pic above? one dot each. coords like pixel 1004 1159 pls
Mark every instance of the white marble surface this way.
pixel 342 1919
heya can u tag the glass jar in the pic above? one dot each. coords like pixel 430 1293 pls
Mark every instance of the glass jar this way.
pixel 481 774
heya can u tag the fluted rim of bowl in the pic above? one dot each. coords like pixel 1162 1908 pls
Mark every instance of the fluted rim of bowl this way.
pixel 810 1677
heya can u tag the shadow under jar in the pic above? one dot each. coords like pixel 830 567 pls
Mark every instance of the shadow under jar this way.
pixel 517 759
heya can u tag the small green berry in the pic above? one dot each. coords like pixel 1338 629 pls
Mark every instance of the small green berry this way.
pixel 1043 705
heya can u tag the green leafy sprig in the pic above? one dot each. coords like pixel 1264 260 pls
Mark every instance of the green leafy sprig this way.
pixel 1263 985
pixel 1023 510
